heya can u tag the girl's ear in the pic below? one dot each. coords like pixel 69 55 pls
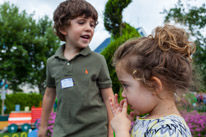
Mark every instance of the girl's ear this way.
pixel 63 30
pixel 158 85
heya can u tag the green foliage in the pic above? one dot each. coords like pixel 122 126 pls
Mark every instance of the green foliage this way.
pixel 191 98
pixel 108 52
pixel 31 99
pixel 194 18
pixel 120 33
pixel 113 16
pixel 25 44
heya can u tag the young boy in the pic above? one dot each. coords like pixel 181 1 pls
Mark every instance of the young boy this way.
pixel 78 76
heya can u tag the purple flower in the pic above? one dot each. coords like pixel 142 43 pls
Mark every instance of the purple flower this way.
pixel 50 124
pixel 196 122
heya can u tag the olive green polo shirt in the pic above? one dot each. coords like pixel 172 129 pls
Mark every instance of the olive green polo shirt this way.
pixel 81 111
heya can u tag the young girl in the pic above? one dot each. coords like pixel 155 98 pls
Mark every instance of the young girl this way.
pixel 151 70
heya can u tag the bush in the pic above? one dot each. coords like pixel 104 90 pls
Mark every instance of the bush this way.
pixel 108 52
pixel 23 99
pixel 196 122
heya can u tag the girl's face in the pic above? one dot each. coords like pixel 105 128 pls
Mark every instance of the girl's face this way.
pixel 141 99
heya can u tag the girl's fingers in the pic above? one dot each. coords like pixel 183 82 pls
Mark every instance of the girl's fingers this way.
pixel 116 103
pixel 121 103
pixel 112 106
pixel 116 107
pixel 131 116
pixel 124 109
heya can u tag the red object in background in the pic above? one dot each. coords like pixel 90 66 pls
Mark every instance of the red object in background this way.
pixel 19 118
pixel 35 114
pixel 25 117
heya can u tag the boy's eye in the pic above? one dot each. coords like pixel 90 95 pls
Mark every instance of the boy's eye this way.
pixel 92 25
pixel 81 22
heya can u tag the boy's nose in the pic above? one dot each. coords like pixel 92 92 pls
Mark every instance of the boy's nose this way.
pixel 88 27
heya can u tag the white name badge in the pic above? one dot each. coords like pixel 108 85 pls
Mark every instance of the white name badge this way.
pixel 67 83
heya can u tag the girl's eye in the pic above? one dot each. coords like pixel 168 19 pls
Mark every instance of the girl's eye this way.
pixel 125 85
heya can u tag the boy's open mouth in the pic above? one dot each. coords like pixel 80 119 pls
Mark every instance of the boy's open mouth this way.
pixel 85 36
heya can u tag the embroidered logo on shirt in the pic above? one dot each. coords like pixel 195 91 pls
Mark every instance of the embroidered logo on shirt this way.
pixel 86 71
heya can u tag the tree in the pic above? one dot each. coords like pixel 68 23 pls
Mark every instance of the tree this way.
pixel 194 19
pixel 25 44
pixel 120 31
pixel 43 47
pixel 108 52
pixel 113 16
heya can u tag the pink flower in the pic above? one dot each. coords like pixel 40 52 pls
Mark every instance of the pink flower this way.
pixel 196 122
pixel 50 124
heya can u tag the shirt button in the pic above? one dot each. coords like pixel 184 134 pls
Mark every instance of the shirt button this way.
pixel 68 63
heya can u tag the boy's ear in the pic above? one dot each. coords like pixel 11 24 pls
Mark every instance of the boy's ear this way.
pixel 63 30
pixel 158 85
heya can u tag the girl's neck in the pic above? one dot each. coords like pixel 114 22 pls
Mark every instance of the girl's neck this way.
pixel 165 107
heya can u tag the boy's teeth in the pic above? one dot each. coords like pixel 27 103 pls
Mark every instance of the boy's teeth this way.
pixel 85 36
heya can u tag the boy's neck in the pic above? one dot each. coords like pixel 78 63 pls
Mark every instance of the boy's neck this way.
pixel 70 52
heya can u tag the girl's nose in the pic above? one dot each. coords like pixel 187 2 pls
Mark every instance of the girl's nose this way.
pixel 123 94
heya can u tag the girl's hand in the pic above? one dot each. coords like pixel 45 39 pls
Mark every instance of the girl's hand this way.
pixel 121 124
pixel 118 107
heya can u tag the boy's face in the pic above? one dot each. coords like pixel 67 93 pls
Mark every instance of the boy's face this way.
pixel 79 33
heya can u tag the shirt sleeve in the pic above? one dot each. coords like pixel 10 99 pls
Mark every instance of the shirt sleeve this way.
pixel 50 82
pixel 104 80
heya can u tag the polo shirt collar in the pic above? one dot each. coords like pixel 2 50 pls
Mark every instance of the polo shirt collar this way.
pixel 60 52
pixel 86 51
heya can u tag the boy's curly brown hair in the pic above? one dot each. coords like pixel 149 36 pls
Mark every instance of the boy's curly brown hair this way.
pixel 71 9
pixel 166 54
